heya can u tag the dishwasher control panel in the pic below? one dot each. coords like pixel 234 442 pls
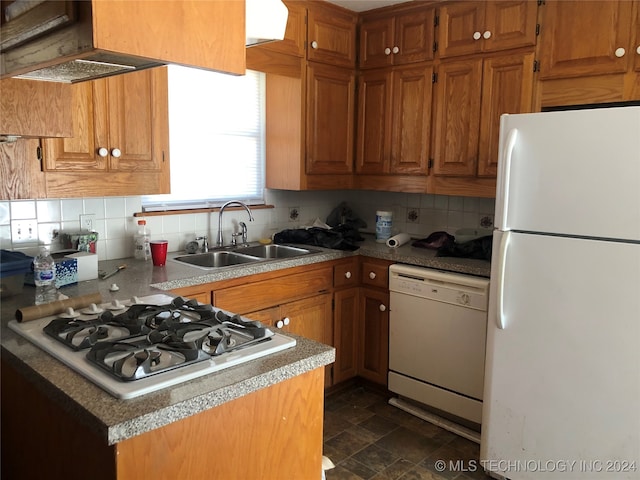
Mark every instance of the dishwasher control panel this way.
pixel 454 288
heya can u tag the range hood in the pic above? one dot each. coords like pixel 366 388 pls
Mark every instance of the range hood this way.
pixel 74 41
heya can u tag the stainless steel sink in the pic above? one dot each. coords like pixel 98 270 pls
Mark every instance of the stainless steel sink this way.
pixel 217 259
pixel 275 251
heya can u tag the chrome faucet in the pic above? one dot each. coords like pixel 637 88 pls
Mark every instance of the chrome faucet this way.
pixel 220 241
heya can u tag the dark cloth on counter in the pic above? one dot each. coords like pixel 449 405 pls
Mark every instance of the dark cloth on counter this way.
pixel 435 241
pixel 478 248
pixel 344 215
pixel 343 237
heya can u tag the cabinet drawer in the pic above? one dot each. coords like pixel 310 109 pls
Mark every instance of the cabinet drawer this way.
pixel 267 293
pixel 375 273
pixel 346 274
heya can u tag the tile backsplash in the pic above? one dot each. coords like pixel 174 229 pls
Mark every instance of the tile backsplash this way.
pixel 26 224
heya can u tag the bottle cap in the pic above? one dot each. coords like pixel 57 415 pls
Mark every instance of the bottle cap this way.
pixel 142 222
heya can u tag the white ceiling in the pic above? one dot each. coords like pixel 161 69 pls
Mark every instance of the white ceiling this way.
pixel 363 5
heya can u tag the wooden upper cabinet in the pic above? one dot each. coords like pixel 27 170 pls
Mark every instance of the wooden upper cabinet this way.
pixel 330 119
pixel 473 27
pixel 470 97
pixel 331 35
pixel 584 38
pixel 403 38
pixel 117 126
pixel 294 35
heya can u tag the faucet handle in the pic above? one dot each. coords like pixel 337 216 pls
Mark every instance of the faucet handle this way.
pixel 234 238
pixel 205 243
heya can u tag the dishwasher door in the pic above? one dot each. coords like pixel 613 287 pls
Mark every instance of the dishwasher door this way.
pixel 437 333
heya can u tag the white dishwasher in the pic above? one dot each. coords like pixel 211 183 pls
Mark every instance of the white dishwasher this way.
pixel 437 333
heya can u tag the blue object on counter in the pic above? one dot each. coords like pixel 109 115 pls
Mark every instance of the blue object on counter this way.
pixel 13 267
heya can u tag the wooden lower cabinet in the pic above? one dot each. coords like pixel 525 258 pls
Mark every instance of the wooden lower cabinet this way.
pixel 374 335
pixel 345 334
pixel 273 433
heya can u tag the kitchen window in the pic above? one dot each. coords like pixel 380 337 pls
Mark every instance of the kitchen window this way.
pixel 216 137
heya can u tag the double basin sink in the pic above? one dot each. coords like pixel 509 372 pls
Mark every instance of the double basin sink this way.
pixel 224 257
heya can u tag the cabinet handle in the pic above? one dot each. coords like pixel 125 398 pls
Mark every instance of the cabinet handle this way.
pixel 477 35
pixel 314 44
pixel 382 307
pixel 115 152
pixel 387 51
pixel 620 52
pixel 103 152
pixel 395 50
pixel 372 275
pixel 487 35
pixel 347 275
pixel 638 50
pixel 279 324
pixel 286 320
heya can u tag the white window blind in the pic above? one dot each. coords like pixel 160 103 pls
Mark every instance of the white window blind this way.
pixel 216 138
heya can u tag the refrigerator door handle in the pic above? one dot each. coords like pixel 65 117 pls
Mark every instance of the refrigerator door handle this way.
pixel 502 262
pixel 506 173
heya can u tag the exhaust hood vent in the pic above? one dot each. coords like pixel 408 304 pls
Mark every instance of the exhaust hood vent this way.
pixel 266 21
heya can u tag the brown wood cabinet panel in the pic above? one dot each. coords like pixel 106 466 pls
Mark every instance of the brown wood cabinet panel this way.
pixel 507 87
pixel 399 39
pixel 346 334
pixel 581 38
pixel 30 108
pixel 457 117
pixel 374 335
pixel 331 35
pixel 375 272
pixel 198 292
pixel 373 150
pixel 21 176
pixel 412 93
pixel 473 27
pixel 267 293
pixel 346 274
pixel 330 119
pixel 310 318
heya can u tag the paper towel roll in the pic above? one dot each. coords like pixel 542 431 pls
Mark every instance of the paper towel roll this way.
pixel 398 240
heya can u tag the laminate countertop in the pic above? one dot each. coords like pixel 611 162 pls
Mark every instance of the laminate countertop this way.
pixel 117 420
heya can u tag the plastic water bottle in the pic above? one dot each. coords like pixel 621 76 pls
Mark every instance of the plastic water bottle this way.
pixel 141 242
pixel 44 277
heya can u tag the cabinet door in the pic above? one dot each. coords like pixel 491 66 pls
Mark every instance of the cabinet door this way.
pixel 89 104
pixel 138 120
pixel 460 28
pixel 376 42
pixel 373 149
pixel 345 334
pixel 635 47
pixel 331 36
pixel 457 118
pixel 511 24
pixel 581 38
pixel 414 37
pixel 374 335
pixel 412 89
pixel 310 318
pixel 330 117
pixel 507 87
pixel 268 316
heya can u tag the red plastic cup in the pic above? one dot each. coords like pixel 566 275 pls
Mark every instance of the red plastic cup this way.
pixel 159 252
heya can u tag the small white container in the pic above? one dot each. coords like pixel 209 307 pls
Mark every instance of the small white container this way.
pixel 384 221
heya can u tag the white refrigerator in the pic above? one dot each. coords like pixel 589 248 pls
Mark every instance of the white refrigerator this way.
pixel 562 377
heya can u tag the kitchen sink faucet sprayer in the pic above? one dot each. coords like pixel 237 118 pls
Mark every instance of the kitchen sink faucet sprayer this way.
pixel 220 241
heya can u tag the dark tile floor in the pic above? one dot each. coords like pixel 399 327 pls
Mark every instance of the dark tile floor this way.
pixel 366 438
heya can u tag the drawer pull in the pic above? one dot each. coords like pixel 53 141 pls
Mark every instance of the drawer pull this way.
pixel 372 275
pixel 382 307
pixel 347 275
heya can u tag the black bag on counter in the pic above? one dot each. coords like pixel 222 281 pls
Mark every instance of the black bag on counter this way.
pixel 478 248
pixel 337 238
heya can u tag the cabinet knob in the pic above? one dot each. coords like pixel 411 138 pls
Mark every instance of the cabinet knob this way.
pixel 387 51
pixel 103 152
pixel 395 50
pixel 372 275
pixel 347 275
pixel 286 320
pixel 115 152
pixel 280 324
pixel 486 35
pixel 620 52
pixel 314 44
pixel 477 35
pixel 638 50
pixel 382 307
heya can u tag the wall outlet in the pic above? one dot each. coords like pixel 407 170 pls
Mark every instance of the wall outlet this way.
pixel 86 221
pixel 24 231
